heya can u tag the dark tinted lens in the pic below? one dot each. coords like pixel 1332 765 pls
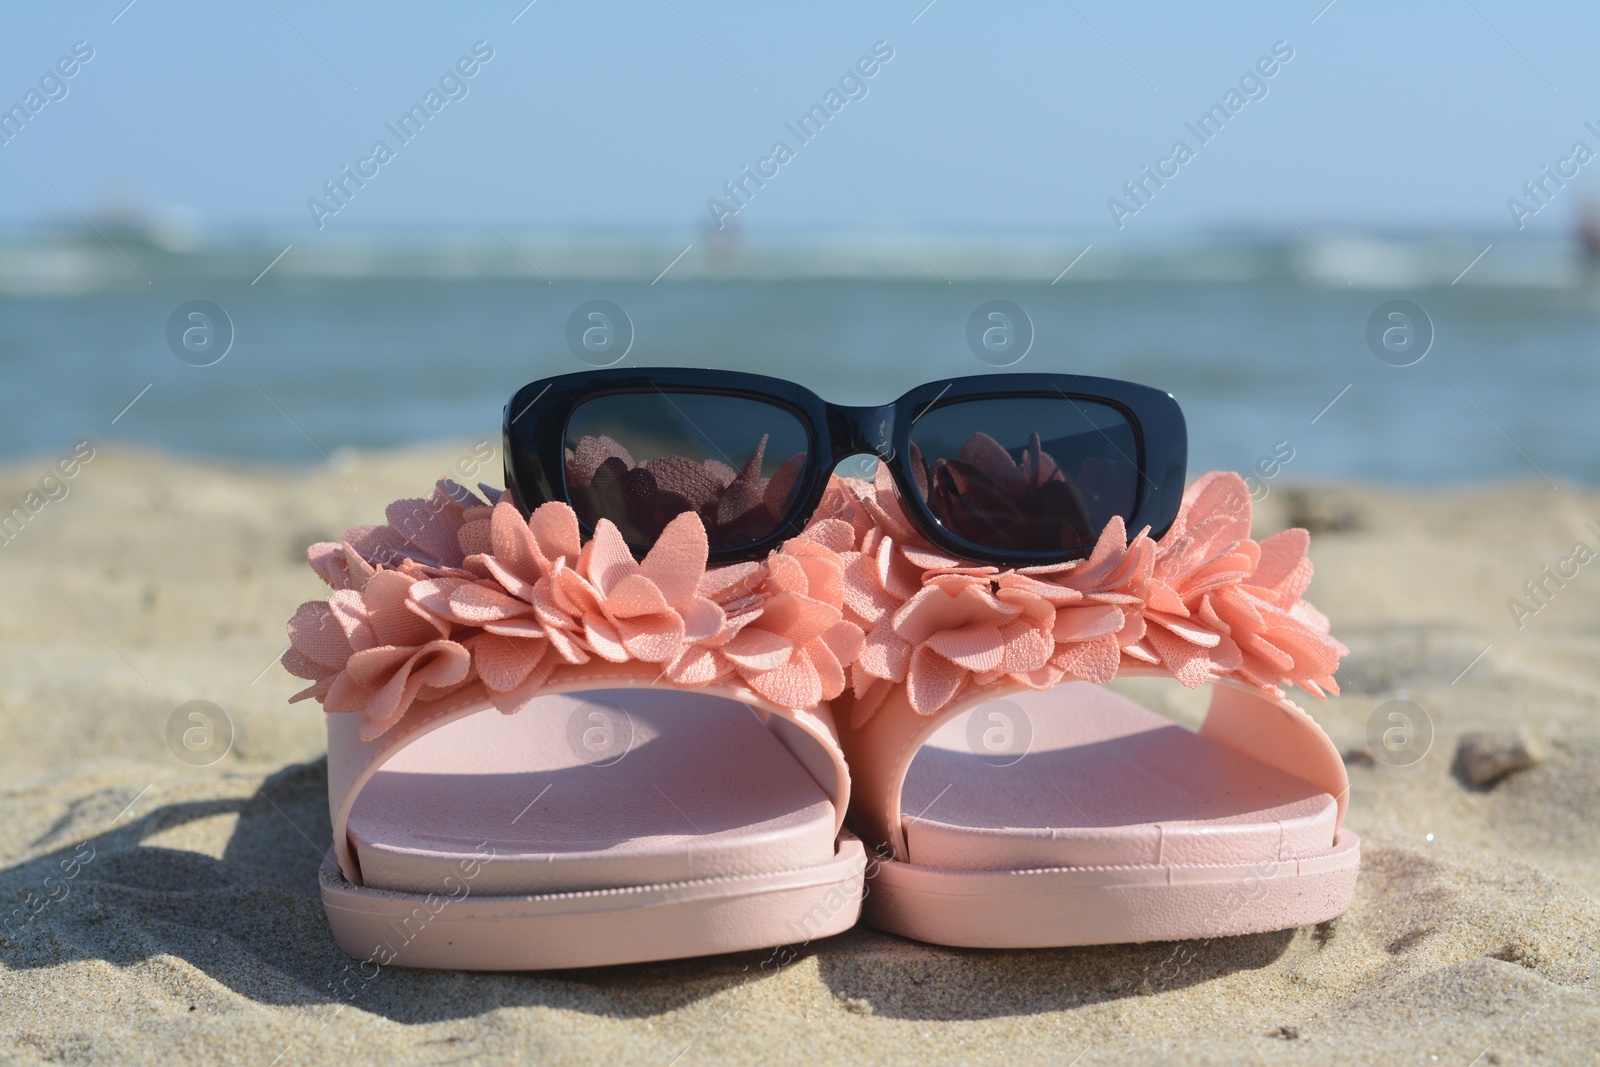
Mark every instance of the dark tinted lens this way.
pixel 1026 474
pixel 642 459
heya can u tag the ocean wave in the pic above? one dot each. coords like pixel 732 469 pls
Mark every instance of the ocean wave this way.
pixel 77 264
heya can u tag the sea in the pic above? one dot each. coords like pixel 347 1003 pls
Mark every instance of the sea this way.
pixel 1413 360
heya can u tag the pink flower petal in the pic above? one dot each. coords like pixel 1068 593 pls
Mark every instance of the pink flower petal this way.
pixel 570 593
pixel 511 701
pixel 835 535
pixel 519 628
pixel 702 619
pixel 302 666
pixel 1188 663
pixel 1086 623
pixel 566 646
pixel 606 560
pixel 844 640
pixel 438 663
pixel 830 672
pixel 1026 647
pixel 515 550
pixel 884 653
pixel 976 647
pixel 798 617
pixel 392 622
pixel 315 633
pixel 758 650
pixel 932 681
pixel 864 596
pixel 652 638
pixel 317 691
pixel 504 663
pixel 467 603
pixel 697 666
pixel 678 558
pixel 824 578
pixel 430 525
pixel 731 583
pixel 1281 557
pixel 1184 630
pixel 346 695
pixel 1093 661
pixel 602 638
pixel 795 684
pixel 555 530
pixel 636 596
pixel 476 538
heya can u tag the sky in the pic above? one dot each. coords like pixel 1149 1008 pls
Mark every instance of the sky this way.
pixel 987 117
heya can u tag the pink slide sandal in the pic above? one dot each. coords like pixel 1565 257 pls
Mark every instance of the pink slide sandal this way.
pixel 1012 803
pixel 665 781
pixel 669 777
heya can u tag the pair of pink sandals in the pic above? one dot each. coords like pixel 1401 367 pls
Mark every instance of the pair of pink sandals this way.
pixel 694 761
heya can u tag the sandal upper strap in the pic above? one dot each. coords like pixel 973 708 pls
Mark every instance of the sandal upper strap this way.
pixel 1268 729
pixel 353 759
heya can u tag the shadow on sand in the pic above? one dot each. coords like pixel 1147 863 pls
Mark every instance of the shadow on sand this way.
pixel 253 921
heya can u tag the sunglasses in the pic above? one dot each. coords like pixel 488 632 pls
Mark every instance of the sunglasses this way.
pixel 1007 469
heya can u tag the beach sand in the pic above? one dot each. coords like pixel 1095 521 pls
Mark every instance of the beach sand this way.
pixel 166 913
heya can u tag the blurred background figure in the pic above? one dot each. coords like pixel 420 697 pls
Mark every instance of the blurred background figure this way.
pixel 1589 235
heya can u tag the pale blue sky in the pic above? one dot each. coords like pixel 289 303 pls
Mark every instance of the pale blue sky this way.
pixel 989 116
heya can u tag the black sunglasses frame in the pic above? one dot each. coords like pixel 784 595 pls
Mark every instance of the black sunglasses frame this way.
pixel 536 423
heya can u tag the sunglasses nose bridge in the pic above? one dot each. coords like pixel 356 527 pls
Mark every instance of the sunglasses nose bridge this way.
pixel 862 429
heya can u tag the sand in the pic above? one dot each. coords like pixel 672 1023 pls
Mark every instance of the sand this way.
pixel 163 912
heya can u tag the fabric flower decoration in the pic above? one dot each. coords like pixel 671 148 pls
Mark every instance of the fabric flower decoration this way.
pixel 366 651
pixel 1205 602
pixel 457 588
pixel 1221 603
pixel 788 638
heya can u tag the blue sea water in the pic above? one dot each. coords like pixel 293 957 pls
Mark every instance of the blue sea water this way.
pixel 384 345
